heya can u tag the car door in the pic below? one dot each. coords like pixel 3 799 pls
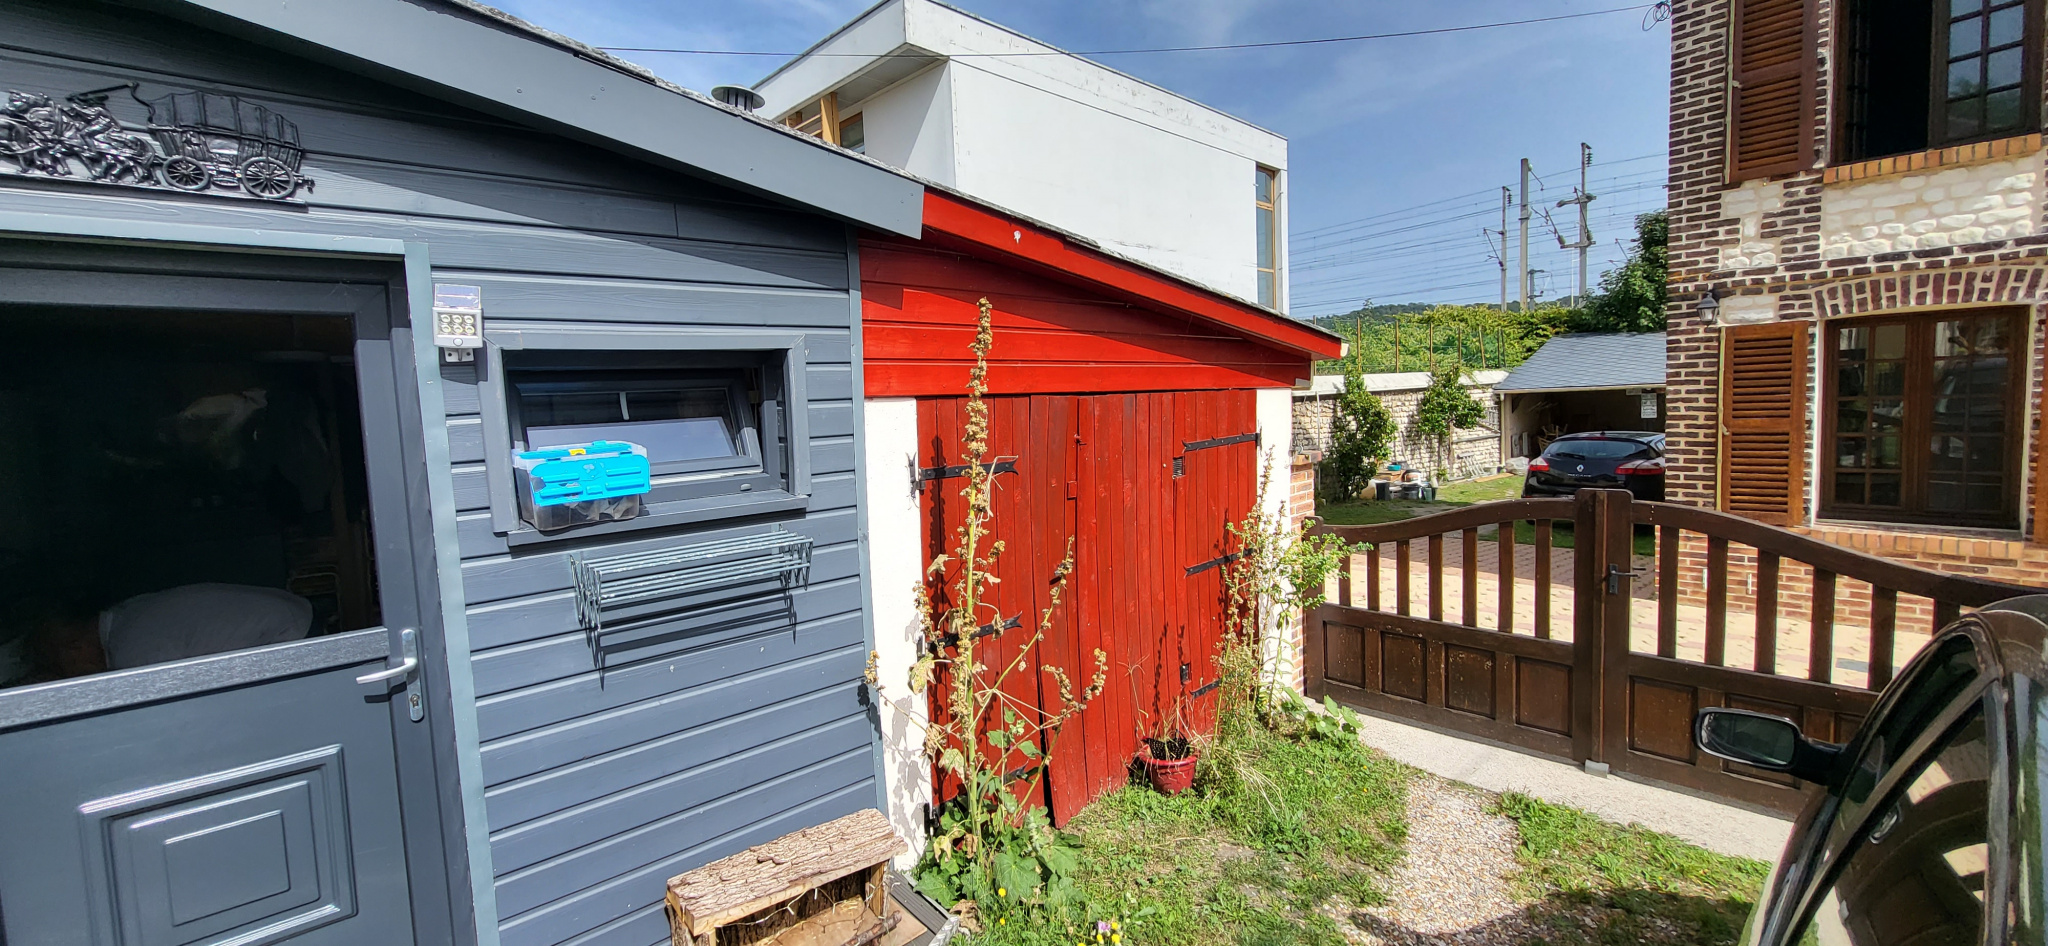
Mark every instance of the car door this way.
pixel 1918 870
pixel 1938 692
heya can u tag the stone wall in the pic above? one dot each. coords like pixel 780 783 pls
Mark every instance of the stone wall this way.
pixel 1953 206
pixel 1475 451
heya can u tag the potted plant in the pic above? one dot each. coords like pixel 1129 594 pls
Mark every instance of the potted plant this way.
pixel 1169 753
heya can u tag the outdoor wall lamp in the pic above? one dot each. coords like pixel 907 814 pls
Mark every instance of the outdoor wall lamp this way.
pixel 1709 306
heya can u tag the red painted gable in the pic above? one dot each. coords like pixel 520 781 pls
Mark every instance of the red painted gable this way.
pixel 1068 318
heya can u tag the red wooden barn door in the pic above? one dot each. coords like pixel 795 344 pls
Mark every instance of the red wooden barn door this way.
pixel 1145 485
pixel 1014 599
pixel 1219 449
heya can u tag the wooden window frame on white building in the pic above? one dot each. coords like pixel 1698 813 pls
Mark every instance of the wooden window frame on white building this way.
pixel 1266 220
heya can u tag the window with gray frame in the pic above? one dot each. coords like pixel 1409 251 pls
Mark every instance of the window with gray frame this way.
pixel 721 417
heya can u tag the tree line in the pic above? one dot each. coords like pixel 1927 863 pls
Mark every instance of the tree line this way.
pixel 1450 340
pixel 1412 337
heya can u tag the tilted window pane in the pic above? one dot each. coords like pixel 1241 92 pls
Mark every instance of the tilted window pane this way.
pixel 1265 238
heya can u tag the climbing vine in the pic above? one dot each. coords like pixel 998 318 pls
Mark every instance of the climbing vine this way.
pixel 1445 407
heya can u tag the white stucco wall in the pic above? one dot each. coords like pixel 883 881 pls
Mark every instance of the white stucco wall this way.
pixel 850 49
pixel 910 125
pixel 1997 200
pixel 1143 172
pixel 895 567
pixel 1275 413
pixel 1134 187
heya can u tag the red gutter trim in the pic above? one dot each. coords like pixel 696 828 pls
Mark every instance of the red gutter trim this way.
pixel 1015 239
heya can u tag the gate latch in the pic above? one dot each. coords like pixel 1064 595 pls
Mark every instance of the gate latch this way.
pixel 1617 578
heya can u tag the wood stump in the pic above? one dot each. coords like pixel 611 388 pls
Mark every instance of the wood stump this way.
pixel 822 886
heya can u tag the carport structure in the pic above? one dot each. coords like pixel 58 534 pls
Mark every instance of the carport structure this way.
pixel 1582 381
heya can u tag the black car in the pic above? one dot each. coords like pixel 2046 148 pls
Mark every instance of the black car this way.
pixel 1603 459
pixel 1929 826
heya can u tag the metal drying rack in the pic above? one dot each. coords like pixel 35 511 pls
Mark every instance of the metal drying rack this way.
pixel 641 581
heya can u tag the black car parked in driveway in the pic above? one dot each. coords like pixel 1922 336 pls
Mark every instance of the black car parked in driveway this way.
pixel 1603 459
pixel 1929 826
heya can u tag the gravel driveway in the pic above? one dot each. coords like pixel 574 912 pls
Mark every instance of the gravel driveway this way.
pixel 1454 885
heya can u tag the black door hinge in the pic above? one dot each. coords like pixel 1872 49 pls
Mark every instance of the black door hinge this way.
pixel 928 473
pixel 1015 620
pixel 1191 446
pixel 1214 562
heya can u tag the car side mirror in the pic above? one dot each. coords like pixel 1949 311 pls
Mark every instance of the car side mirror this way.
pixel 1768 742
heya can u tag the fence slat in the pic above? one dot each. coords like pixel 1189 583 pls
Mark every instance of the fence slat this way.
pixel 1884 624
pixel 1766 612
pixel 1344 580
pixel 1372 576
pixel 1717 600
pixel 1401 577
pixel 1667 591
pixel 1436 577
pixel 1820 661
pixel 1468 570
pixel 1505 581
pixel 1543 579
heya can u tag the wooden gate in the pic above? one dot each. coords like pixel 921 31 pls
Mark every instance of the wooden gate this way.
pixel 1145 485
pixel 1595 650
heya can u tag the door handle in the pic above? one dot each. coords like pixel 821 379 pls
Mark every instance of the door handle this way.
pixel 1617 578
pixel 407 669
pixel 404 669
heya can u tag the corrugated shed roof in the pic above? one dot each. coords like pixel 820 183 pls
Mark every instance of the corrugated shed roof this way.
pixel 1590 361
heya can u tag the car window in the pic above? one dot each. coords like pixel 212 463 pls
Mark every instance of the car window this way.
pixel 1597 449
pixel 1917 872
pixel 1930 687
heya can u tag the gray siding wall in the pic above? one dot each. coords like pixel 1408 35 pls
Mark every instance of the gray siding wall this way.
pixel 718 732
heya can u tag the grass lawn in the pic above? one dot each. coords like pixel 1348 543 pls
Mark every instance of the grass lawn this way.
pixel 1363 512
pixel 1593 882
pixel 1254 859
pixel 1286 845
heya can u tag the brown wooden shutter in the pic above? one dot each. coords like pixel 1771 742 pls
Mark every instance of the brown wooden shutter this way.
pixel 1772 98
pixel 2041 471
pixel 1763 421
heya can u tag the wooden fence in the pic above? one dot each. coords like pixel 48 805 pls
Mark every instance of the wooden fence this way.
pixel 1570 668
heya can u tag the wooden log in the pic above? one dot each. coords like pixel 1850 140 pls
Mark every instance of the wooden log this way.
pixel 768 874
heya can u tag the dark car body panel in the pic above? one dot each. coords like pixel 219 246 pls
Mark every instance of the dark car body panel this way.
pixel 2008 689
pixel 1595 464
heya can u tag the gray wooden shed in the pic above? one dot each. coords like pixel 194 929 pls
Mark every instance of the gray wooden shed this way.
pixel 283 659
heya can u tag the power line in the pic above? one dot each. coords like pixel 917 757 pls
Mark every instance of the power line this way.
pixel 1316 233
pixel 1319 41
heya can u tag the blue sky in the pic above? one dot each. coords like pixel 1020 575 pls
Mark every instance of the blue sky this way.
pixel 1397 147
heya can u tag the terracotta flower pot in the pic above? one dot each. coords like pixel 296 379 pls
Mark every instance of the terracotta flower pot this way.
pixel 1169 776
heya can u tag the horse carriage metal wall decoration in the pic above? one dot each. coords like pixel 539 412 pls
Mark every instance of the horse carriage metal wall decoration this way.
pixel 194 141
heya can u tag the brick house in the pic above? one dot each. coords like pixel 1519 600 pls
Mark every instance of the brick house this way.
pixel 1858 272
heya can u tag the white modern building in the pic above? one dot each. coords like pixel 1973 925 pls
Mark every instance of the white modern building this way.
pixel 974 106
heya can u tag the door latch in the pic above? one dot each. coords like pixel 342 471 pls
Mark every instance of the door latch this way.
pixel 1617 578
pixel 407 669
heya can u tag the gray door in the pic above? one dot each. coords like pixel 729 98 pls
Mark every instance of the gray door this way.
pixel 259 795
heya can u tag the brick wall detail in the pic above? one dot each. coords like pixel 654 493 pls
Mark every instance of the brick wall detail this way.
pixel 1899 235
